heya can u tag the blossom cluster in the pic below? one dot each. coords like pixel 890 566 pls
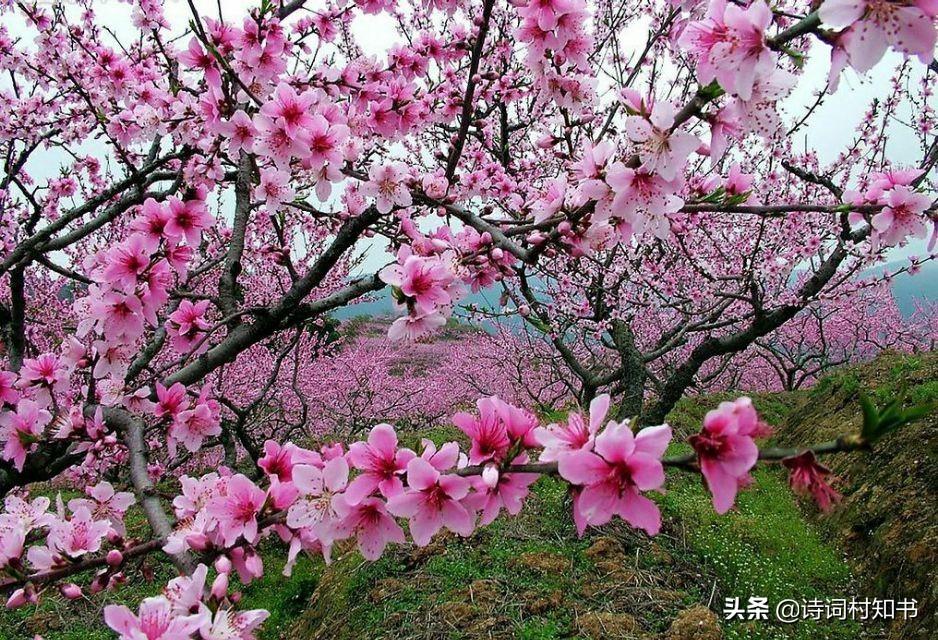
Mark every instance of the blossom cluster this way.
pixel 559 42
pixel 313 499
pixel 65 536
pixel 901 217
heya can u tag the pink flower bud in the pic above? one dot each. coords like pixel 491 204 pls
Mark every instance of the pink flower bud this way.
pixel 223 564
pixel 70 591
pixel 17 599
pixel 490 476
pixel 220 586
pixel 114 558
pixel 497 254
pixel 524 310
pixel 197 541
pixel 97 585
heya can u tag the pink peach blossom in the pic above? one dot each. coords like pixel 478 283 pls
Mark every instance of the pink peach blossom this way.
pixel 614 474
pixel 726 449
pixel 382 464
pixel 432 501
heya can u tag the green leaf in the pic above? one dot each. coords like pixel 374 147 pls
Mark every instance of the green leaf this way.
pixel 870 417
pixel 739 198
pixel 711 92
pixel 880 422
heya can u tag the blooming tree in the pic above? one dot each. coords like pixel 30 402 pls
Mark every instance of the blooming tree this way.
pixel 183 209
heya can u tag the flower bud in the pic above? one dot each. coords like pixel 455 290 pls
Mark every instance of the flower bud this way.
pixel 490 476
pixel 197 541
pixel 17 599
pixel 97 584
pixel 114 558
pixel 70 591
pixel 223 564
pixel 220 586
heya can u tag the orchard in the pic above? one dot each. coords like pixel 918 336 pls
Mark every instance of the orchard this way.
pixel 187 204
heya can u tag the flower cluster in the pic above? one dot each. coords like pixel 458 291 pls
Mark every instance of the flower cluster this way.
pixel 868 27
pixel 426 287
pixel 316 498
pixel 132 282
pixel 901 216
pixel 312 500
pixel 190 422
pixel 33 538
pixel 558 46
pixel 188 606
pixel 730 46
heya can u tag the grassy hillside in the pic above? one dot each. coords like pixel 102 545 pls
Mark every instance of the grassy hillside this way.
pixel 887 521
pixel 531 577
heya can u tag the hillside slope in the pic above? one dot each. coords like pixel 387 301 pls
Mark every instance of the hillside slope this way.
pixel 888 520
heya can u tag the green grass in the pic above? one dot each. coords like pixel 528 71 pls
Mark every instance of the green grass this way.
pixel 491 556
pixel 765 546
pixel 762 548
pixel 284 597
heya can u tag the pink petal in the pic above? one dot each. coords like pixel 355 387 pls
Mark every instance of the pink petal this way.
pixel 406 505
pixel 840 14
pixel 120 619
pixel 597 503
pixel 421 474
pixel 616 443
pixel 722 485
pixel 640 512
pixel 647 472
pixel 456 518
pixel 360 488
pixel 455 487
pixel 308 479
pixel 384 439
pixel 653 440
pixel 599 407
pixel 335 474
pixel 582 467
pixel 424 524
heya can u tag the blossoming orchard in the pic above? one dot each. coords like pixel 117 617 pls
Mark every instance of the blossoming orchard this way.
pixel 186 204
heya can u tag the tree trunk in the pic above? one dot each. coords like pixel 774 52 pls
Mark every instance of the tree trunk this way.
pixel 633 372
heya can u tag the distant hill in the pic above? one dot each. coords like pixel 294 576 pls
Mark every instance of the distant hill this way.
pixel 907 288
